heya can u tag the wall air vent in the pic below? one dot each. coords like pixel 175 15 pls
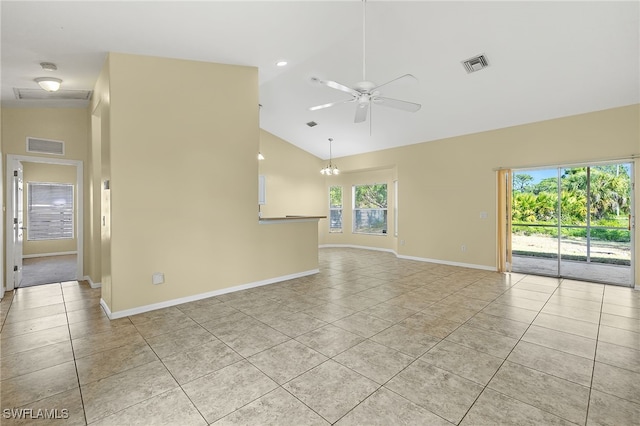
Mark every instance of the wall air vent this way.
pixel 475 64
pixel 39 94
pixel 312 124
pixel 45 146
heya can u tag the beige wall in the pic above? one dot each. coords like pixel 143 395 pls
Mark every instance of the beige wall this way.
pixel 49 173
pixel 293 180
pixel 445 184
pixel 70 125
pixel 181 158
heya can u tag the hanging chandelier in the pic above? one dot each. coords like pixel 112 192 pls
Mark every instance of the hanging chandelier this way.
pixel 330 169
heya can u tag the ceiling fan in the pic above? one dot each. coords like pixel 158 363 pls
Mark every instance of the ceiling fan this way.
pixel 366 92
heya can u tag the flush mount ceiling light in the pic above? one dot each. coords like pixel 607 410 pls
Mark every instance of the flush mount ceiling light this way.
pixel 330 169
pixel 50 84
pixel 281 63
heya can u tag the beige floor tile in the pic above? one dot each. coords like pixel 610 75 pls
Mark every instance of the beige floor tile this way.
pixel 329 312
pixel 169 408
pixel 490 343
pixel 451 312
pixel 253 340
pixel 510 312
pixel 90 314
pixel 620 337
pixel 224 391
pixel 415 301
pixel 540 288
pixel 435 326
pixel 21 303
pixel 608 410
pixel 572 302
pixel 330 340
pixel 557 363
pixel 520 302
pixel 406 340
pixel 445 394
pixel 617 321
pixel 570 343
pixel 202 314
pixel 567 325
pixel 98 325
pixel 623 311
pixel 277 407
pixel 557 396
pixel 19 315
pixel 363 324
pixel 572 312
pixel 527 294
pixel 500 325
pixel 287 361
pixel 593 296
pixel 66 408
pixel 463 361
pixel 331 389
pixel 617 381
pixel 37 339
pixel 113 361
pixel 389 312
pixel 150 329
pixel 384 407
pixel 199 361
pixel 30 326
pixel 95 343
pixel 179 340
pixel 105 397
pixel 31 387
pixel 295 324
pixel 374 361
pixel 618 356
pixel 231 324
pixel 494 408
pixel 36 359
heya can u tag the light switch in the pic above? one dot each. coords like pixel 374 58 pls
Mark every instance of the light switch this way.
pixel 483 215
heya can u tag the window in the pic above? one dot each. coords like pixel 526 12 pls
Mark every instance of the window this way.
pixel 335 209
pixel 49 211
pixel 370 209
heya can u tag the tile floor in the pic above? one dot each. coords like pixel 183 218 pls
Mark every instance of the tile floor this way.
pixel 370 340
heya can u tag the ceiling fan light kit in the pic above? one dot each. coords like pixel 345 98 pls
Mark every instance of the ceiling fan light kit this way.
pixel 366 92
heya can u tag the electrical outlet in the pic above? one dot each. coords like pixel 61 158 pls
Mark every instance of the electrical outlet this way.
pixel 401 242
pixel 463 247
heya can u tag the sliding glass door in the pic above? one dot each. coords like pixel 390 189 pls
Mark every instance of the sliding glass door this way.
pixel 574 222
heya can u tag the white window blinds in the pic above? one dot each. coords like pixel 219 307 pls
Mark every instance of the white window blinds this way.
pixel 50 211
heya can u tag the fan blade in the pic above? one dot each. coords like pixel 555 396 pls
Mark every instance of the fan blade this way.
pixel 361 112
pixel 341 87
pixel 330 104
pixel 395 79
pixel 397 104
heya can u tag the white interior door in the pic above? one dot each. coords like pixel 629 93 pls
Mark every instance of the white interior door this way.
pixel 18 223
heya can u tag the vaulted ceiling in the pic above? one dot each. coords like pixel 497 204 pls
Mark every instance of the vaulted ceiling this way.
pixel 546 59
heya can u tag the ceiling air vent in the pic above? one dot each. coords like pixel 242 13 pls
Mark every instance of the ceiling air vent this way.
pixel 39 94
pixel 45 146
pixel 312 124
pixel 475 64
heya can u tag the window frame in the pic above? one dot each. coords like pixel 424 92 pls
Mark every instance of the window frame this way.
pixel 68 210
pixel 332 208
pixel 355 209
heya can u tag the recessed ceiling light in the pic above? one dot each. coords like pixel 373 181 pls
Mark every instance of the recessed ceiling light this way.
pixel 281 63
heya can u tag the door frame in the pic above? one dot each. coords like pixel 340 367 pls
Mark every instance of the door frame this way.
pixel 633 201
pixel 11 158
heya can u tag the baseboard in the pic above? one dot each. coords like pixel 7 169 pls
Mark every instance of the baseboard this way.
pixel 357 247
pixel 419 259
pixel 446 262
pixel 91 283
pixel 181 300
pixel 59 253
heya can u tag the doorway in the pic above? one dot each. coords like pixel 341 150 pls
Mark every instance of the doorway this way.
pixel 47 262
pixel 574 222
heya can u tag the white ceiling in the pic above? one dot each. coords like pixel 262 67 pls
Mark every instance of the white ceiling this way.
pixel 547 59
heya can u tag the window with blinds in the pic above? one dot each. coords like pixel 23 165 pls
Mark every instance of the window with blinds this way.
pixel 49 211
